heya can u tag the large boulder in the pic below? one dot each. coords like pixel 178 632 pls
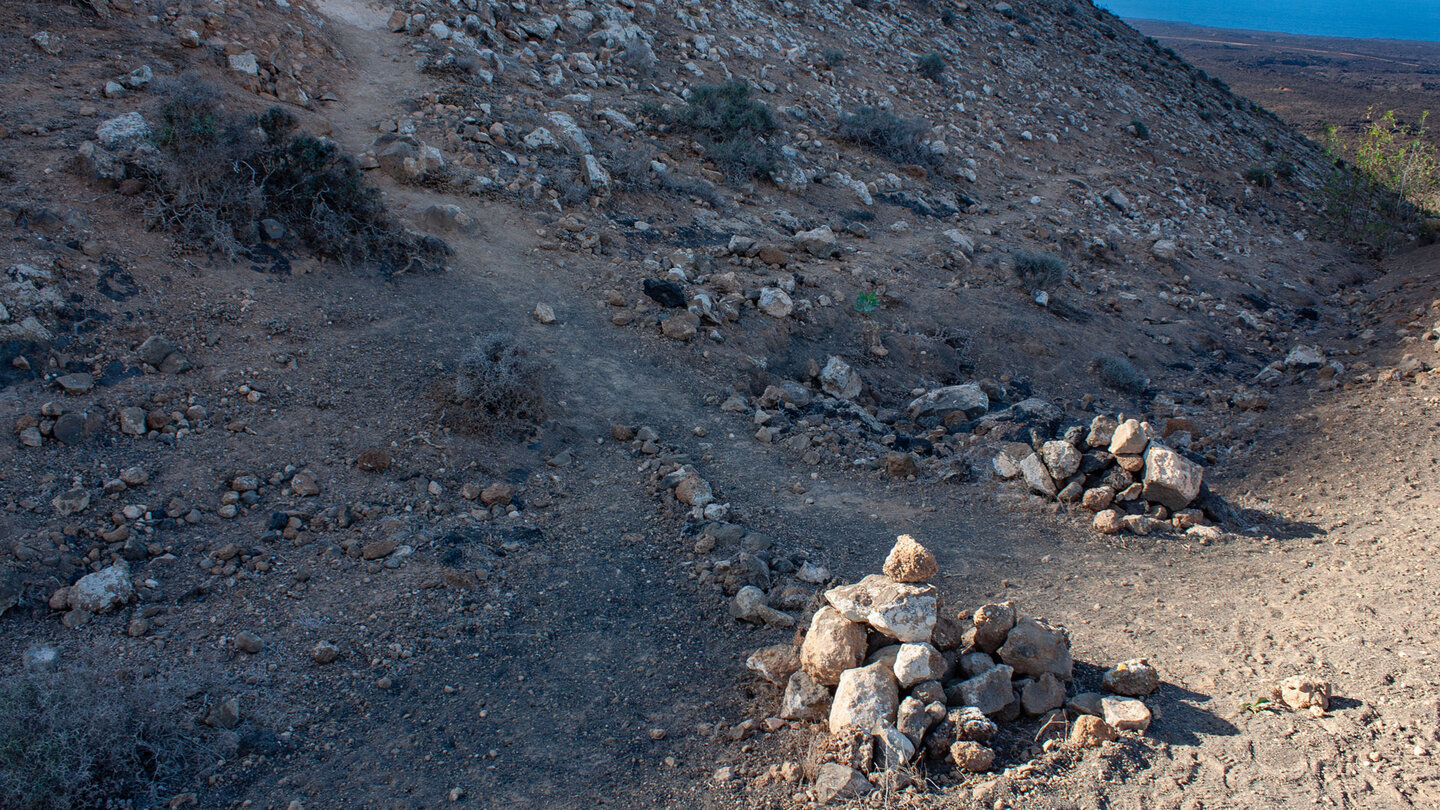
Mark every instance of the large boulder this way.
pixel 967 399
pixel 865 697
pixel 900 610
pixel 832 645
pixel 1171 479
pixel 102 591
pixel 1034 648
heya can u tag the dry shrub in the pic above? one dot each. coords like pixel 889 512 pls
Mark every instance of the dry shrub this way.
pixel 885 133
pixel 88 737
pixel 215 176
pixel 497 383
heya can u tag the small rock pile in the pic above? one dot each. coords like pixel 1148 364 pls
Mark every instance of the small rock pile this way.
pixel 899 682
pixel 1123 472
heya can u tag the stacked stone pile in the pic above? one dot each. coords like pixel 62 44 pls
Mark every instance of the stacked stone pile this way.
pixel 897 683
pixel 1122 471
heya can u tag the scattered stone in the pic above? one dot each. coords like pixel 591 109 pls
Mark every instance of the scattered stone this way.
pixel 544 313
pixel 71 501
pixel 324 653
pixel 373 460
pixel 909 561
pixel 1034 648
pixel 775 663
pixel 835 781
pixel 668 294
pixel 681 326
pixel 102 591
pixel 749 605
pixel 1108 521
pixel 832 645
pixel 839 380
pixel 1171 480
pixel 820 242
pixel 1037 476
pixel 804 698
pixel 1129 439
pixel 864 697
pixel 1125 714
pixel 988 692
pixel 971 757
pixel 900 610
pixel 968 399
pixel 304 484
pixel 1089 731
pixel 918 662
pixel 248 642
pixel 775 302
pixel 1043 694
pixel 75 384
pixel 1132 678
pixel 1304 693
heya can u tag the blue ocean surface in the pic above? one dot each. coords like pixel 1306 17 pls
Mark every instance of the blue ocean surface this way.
pixel 1368 19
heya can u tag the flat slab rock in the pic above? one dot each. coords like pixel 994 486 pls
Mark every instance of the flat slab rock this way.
pixel 899 610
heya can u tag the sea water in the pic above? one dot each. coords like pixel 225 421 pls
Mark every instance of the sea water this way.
pixel 1368 19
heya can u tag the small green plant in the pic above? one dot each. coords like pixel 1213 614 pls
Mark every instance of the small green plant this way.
pixel 931 66
pixel 1259 176
pixel 1037 270
pixel 1261 704
pixel 885 133
pixel 1119 374
pixel 1139 129
pixel 832 57
pixel 732 126
pixel 867 302
pixel 1384 184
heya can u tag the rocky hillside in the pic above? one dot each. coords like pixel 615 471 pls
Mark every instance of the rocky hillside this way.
pixel 442 403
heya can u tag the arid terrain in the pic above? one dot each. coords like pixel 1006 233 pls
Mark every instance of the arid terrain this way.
pixel 1314 82
pixel 266 544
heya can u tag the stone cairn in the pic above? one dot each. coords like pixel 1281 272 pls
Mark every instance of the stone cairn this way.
pixel 1121 471
pixel 900 683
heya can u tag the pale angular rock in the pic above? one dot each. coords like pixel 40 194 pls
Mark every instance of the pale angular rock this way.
pixel 1108 521
pixel 123 131
pixel 1132 678
pixel 804 699
pixel 1170 479
pixel 1086 703
pixel 1088 731
pixel 832 645
pixel 1301 692
pixel 1037 476
pixel 900 610
pixel 1303 357
pixel 570 134
pixel 1006 468
pixel 839 380
pixel 1129 438
pixel 102 591
pixel 967 399
pixel 1164 250
pixel 775 663
pixel 1102 430
pixel 775 302
pixel 918 662
pixel 1125 714
pixel 694 491
pixel 977 663
pixel 820 242
pixel 865 697
pixel 989 692
pixel 1034 648
pixel 909 561
pixel 597 179
pixel 992 623
pixel 836 781
pixel 1061 459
